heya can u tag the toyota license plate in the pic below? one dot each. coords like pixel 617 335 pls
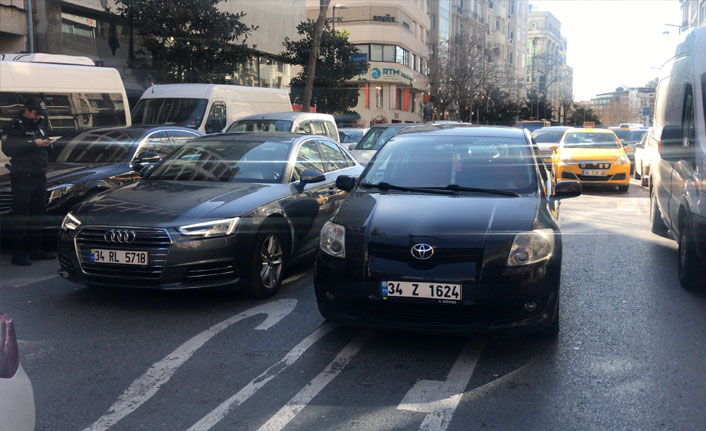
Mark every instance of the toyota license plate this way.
pixel 594 172
pixel 422 289
pixel 123 257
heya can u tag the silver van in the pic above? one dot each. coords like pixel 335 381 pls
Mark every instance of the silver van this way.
pixel 678 173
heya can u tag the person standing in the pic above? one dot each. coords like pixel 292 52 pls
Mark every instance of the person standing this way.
pixel 25 142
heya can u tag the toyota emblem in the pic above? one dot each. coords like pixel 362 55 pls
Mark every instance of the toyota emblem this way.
pixel 121 236
pixel 422 251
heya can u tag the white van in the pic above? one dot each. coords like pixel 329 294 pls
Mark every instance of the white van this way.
pixel 187 104
pixel 678 171
pixel 77 96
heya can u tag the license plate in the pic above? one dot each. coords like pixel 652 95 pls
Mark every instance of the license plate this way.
pixel 421 289
pixel 594 172
pixel 123 257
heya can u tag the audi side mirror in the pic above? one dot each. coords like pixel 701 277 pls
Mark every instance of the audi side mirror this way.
pixel 311 176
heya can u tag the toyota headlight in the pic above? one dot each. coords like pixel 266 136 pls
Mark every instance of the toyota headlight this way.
pixel 531 247
pixel 622 161
pixel 210 229
pixel 59 191
pixel 333 240
pixel 70 222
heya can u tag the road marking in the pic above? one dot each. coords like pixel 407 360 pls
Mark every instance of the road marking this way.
pixel 149 383
pixel 225 408
pixel 28 281
pixel 439 399
pixel 304 396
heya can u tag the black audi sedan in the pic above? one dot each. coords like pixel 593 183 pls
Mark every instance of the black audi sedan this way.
pixel 229 210
pixel 449 229
pixel 96 160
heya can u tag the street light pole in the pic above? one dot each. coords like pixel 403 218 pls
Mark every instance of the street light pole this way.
pixel 339 6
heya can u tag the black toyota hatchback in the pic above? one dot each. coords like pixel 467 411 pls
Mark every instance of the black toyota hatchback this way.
pixel 227 210
pixel 448 229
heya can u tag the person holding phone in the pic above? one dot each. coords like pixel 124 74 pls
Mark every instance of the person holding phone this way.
pixel 25 142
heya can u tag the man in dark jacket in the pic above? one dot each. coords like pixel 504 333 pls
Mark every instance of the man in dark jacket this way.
pixel 25 142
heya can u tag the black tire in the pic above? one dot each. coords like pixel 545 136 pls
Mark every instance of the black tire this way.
pixel 635 174
pixel 269 261
pixel 624 188
pixel 644 179
pixel 690 269
pixel 657 225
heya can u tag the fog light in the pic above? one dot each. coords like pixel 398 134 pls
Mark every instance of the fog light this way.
pixel 530 307
pixel 330 297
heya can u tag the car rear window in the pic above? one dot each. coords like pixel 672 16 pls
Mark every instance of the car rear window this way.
pixel 260 126
pixel 621 133
pixel 548 136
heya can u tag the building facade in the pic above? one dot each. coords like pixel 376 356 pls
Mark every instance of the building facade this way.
pixel 94 29
pixel 392 35
pixel 694 13
pixel 625 105
pixel 548 75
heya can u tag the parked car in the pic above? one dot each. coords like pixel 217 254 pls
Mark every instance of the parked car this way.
pixel 633 137
pixel 546 138
pixel 306 123
pixel 229 210
pixel 469 245
pixel 374 139
pixel 644 152
pixel 620 132
pixel 592 156
pixel 351 135
pixel 677 176
pixel 16 395
pixel 96 160
pixel 532 125
pixel 187 104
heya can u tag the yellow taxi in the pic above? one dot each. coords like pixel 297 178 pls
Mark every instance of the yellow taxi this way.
pixel 591 156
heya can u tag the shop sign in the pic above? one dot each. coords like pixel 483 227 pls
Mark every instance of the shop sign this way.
pixel 385 18
pixel 387 74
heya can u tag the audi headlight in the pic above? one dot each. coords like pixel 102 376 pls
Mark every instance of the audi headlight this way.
pixel 622 160
pixel 531 247
pixel 59 191
pixel 210 229
pixel 566 159
pixel 70 222
pixel 333 240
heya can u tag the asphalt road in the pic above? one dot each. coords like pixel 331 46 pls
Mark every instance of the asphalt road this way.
pixel 631 354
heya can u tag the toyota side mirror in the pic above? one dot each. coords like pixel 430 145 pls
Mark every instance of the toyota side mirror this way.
pixel 345 183
pixel 628 148
pixel 567 189
pixel 554 147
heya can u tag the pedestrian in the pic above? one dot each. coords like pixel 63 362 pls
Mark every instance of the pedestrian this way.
pixel 25 142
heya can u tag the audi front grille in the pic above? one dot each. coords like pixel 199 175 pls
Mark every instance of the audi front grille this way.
pixel 155 241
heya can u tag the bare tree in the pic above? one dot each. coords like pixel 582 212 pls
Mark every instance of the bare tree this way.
pixel 617 111
pixel 314 54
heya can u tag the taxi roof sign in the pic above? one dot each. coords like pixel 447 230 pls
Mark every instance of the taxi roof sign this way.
pixel 589 124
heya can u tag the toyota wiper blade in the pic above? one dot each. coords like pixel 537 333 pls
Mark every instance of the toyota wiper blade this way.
pixel 457 188
pixel 388 186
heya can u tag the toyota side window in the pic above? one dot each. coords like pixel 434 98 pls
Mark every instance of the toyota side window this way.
pixel 216 118
pixel 688 129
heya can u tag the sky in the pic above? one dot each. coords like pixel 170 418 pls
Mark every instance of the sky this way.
pixel 614 43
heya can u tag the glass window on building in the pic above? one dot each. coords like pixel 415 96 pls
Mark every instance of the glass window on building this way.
pixel 398 99
pixel 412 102
pixel 78 31
pixel 375 52
pixel 401 55
pixel 389 53
pixel 378 96
pixel 364 49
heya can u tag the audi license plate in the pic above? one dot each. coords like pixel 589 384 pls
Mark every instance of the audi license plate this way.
pixel 421 289
pixel 123 257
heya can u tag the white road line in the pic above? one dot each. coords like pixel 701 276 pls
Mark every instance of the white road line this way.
pixel 439 399
pixel 225 408
pixel 27 281
pixel 301 399
pixel 149 383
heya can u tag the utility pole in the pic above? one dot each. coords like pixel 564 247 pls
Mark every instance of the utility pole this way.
pixel 30 28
